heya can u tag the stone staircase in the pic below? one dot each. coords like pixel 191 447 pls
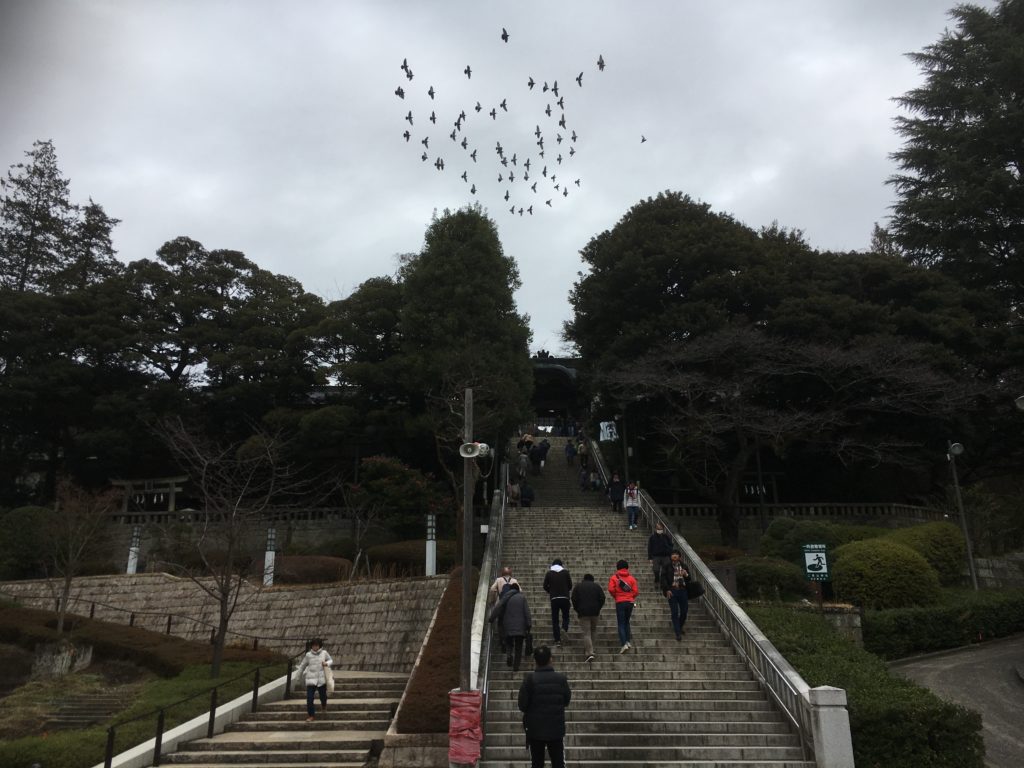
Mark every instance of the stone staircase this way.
pixel 679 704
pixel 83 710
pixel 278 736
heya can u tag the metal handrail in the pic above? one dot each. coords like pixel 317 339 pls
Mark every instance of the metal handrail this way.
pixel 781 681
pixel 494 550
pixel 160 712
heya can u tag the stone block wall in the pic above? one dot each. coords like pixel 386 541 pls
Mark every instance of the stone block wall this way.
pixel 367 625
pixel 1007 571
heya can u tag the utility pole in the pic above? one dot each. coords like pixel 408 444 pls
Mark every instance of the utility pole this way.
pixel 467 546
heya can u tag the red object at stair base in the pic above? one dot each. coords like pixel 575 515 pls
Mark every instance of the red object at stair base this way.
pixel 464 734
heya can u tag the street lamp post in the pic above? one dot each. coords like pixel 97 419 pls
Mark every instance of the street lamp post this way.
pixel 957 449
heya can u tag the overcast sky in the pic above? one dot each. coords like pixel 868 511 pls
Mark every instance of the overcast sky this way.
pixel 273 128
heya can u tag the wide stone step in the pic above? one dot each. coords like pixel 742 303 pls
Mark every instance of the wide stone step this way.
pixel 304 757
pixel 650 714
pixel 658 756
pixel 322 723
pixel 687 726
pixel 280 742
pixel 666 704
pixel 659 741
pixel 366 705
pixel 344 719
pixel 588 762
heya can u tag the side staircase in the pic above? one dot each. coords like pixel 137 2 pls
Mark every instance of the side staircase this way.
pixel 682 704
pixel 278 736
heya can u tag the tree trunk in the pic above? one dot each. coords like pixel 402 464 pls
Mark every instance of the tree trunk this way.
pixel 65 596
pixel 220 638
pixel 729 523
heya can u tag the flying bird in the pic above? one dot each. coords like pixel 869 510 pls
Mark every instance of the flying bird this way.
pixel 430 92
pixel 572 151
pixel 561 102
pixel 573 137
pixel 579 79
pixel 466 179
pixel 511 177
pixel 565 192
pixel 534 186
pixel 409 117
pixel 544 172
pixel 498 148
pixel 423 157
pixel 472 190
pixel 408 73
pixel 526 165
pixel 558 138
pixel 494 114
pixel 399 92
pixel 526 176
pixel 577 182
pixel 504 161
pixel 405 64
pixel 407 136
pixel 554 88
pixel 433 118
pixel 547 203
pixel 547 110
pixel 511 210
pixel 530 210
pixel 465 142
pixel 426 142
pixel 537 132
pixel 453 135
pixel 468 72
pixel 520 210
pixel 500 178
pixel 530 83
pixel 503 105
pixel 513 158
pixel 561 122
pixel 506 199
pixel 559 158
pixel 642 138
pixel 545 89
pixel 600 63
pixel 439 164
pixel 504 34
pixel 473 155
pixel 478 107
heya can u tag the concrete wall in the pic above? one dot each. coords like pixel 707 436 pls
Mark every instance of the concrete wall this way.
pixel 368 625
pixel 1007 571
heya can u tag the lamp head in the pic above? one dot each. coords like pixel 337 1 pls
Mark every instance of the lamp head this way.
pixel 1019 402
pixel 956 449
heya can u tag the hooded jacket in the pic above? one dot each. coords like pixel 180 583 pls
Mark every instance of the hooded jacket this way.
pixel 620 595
pixel 558 583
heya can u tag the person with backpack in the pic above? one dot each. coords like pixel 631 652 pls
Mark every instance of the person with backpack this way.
pixel 659 550
pixel 543 696
pixel 624 590
pixel 501 585
pixel 513 616
pixel 588 600
pixel 558 585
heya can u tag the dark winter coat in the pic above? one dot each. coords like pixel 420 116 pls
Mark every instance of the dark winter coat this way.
pixel 616 490
pixel 543 697
pixel 667 576
pixel 659 546
pixel 513 613
pixel 587 598
pixel 558 582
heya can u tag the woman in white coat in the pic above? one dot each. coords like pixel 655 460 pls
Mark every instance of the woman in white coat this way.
pixel 314 669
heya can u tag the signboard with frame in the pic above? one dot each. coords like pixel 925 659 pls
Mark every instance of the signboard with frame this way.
pixel 816 565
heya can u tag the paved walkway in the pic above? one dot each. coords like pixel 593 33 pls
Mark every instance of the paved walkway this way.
pixel 988 678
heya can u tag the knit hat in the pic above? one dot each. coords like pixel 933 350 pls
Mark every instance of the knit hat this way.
pixel 621 564
pixel 556 561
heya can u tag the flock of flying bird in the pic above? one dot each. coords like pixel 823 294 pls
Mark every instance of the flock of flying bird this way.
pixel 536 176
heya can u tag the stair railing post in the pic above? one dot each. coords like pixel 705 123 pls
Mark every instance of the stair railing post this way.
pixel 213 714
pixel 288 680
pixel 108 757
pixel 168 623
pixel 256 689
pixel 159 738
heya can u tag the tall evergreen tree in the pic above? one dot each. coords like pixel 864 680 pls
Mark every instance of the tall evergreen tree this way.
pixel 960 205
pixel 36 219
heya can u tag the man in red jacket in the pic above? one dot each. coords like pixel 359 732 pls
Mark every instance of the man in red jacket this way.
pixel 624 591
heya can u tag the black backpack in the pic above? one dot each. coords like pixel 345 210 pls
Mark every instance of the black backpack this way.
pixel 624 585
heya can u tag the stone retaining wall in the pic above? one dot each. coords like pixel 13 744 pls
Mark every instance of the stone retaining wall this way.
pixel 368 625
pixel 1007 571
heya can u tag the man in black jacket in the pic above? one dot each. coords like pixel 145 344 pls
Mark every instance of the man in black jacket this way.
pixel 588 599
pixel 659 549
pixel 558 585
pixel 543 697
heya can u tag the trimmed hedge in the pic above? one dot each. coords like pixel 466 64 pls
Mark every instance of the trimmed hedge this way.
pixel 769 578
pixel 410 556
pixel 785 537
pixel 965 618
pixel 426 707
pixel 879 573
pixel 941 544
pixel 894 723
pixel 310 569
pixel 165 655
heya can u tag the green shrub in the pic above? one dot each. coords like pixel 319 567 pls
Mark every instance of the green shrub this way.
pixel 879 573
pixel 941 544
pixel 894 723
pixel 785 537
pixel 310 569
pixel 964 618
pixel 425 706
pixel 711 553
pixel 769 578
pixel 22 534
